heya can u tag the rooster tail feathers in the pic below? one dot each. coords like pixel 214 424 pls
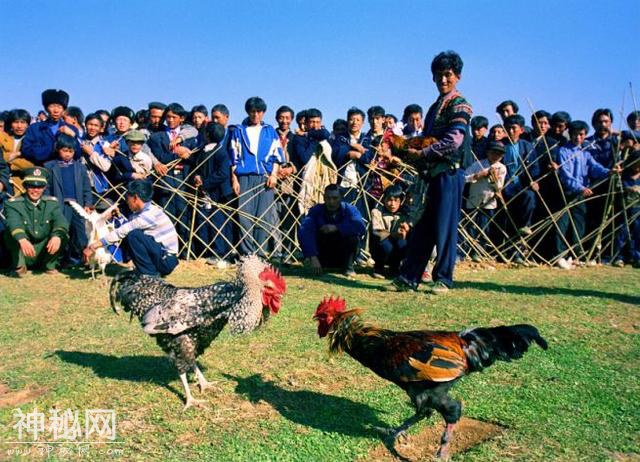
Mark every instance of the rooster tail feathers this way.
pixel 505 343
pixel 121 286
pixel 79 210
pixel 114 300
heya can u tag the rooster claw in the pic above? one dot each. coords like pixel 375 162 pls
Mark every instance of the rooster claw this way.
pixel 392 434
pixel 204 386
pixel 200 403
pixel 384 431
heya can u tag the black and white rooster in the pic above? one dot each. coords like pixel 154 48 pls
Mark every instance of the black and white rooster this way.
pixel 184 321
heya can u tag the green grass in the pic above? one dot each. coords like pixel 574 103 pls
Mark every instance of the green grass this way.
pixel 284 398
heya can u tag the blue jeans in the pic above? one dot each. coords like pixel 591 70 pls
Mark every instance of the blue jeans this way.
pixel 148 255
pixel 437 227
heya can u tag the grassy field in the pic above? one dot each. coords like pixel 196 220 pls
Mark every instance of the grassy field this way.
pixel 282 397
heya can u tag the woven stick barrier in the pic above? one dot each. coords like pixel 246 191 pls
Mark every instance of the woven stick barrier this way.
pixel 499 240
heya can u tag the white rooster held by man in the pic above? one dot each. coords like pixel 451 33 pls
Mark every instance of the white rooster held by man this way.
pixel 97 225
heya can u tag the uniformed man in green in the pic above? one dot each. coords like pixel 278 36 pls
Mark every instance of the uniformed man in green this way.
pixel 36 228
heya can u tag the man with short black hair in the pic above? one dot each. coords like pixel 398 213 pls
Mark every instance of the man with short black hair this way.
pixel 412 120
pixel 448 121
pixel 507 108
pixel 256 157
pixel 330 233
pixel 148 234
pixel 154 119
pixel 173 147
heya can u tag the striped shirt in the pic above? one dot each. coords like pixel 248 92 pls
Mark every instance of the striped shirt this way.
pixel 154 222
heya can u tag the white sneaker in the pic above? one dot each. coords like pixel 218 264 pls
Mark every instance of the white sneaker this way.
pixel 592 263
pixel 563 263
pixel 218 263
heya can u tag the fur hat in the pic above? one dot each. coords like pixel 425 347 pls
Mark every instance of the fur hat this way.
pixel 52 96
pixel 123 111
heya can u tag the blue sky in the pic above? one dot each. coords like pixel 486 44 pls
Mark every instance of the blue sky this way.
pixel 566 55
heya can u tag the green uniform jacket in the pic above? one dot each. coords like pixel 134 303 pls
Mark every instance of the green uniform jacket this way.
pixel 36 222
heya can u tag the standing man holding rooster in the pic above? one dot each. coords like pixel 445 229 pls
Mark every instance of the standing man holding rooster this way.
pixel 448 121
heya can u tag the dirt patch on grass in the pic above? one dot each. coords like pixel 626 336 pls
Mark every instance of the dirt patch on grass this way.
pixel 627 324
pixel 625 457
pixel 9 398
pixel 423 446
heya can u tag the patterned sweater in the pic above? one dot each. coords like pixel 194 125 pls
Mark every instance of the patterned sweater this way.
pixel 448 121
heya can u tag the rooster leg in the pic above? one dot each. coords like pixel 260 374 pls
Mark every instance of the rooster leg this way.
pixel 401 431
pixel 190 401
pixel 443 452
pixel 203 384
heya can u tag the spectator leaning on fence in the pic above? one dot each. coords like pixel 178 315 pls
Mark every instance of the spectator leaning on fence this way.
pixel 627 243
pixel 212 177
pixel 486 178
pixel 577 169
pixel 173 147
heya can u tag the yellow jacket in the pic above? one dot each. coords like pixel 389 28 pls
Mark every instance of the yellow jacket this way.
pixel 17 164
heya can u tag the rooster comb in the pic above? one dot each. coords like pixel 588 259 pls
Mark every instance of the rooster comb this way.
pixel 330 304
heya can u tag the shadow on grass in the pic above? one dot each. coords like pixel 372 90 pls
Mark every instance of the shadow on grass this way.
pixel 139 368
pixel 539 290
pixel 84 272
pixel 338 279
pixel 312 409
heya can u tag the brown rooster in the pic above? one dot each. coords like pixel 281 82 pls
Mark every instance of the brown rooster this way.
pixel 425 364
pixel 400 145
pixel 184 321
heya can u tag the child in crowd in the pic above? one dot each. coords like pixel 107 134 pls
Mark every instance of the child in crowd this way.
pixel 135 164
pixel 16 125
pixel 497 133
pixel 69 181
pixel 559 123
pixel 487 179
pixel 98 163
pixel 479 142
pixel 389 230
pixel 522 171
